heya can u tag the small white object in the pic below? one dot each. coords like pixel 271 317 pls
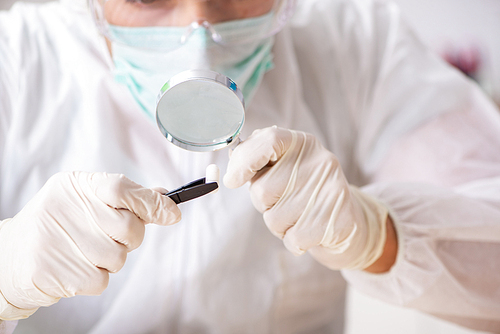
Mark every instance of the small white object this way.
pixel 212 174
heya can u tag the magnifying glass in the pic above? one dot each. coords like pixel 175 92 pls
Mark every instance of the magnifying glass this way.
pixel 200 110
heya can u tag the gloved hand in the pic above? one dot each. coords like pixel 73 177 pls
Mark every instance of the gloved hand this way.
pixel 75 231
pixel 306 200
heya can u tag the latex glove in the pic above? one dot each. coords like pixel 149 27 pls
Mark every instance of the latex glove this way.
pixel 76 230
pixel 306 200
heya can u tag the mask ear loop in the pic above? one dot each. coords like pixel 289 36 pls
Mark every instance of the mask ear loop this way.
pixel 205 25
pixel 98 16
pixel 284 9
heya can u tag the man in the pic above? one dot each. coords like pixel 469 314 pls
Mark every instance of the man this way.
pixel 402 194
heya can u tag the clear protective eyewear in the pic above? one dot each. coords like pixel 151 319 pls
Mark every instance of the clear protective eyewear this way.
pixel 190 16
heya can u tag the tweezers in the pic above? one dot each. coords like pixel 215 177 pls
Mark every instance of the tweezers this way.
pixel 191 190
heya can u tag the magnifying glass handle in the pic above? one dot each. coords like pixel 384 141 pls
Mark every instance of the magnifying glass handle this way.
pixel 234 144
pixel 237 142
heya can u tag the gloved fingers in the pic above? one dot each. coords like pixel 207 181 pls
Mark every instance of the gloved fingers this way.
pixel 104 235
pixel 308 215
pixel 266 190
pixel 331 230
pixel 304 235
pixel 276 224
pixel 104 253
pixel 119 192
pixel 116 233
pixel 58 270
pixel 334 259
pixel 79 279
pixel 11 312
pixel 124 228
pixel 65 261
pixel 281 180
pixel 32 298
pixel 71 273
pixel 260 149
pixel 160 190
pixel 295 221
pixel 91 282
pixel 298 230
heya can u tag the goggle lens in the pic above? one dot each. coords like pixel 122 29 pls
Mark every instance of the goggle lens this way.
pixel 189 15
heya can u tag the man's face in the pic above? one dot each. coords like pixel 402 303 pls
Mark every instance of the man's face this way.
pixel 143 13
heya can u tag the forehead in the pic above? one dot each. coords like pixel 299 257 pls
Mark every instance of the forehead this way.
pixel 178 12
pixel 252 5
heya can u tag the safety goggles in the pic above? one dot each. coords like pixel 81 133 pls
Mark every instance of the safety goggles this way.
pixel 189 17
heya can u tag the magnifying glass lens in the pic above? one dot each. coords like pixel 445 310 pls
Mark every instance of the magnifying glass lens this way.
pixel 200 114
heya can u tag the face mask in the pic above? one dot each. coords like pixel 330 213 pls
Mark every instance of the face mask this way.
pixel 144 69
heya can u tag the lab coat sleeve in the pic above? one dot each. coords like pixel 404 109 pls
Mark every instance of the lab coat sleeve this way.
pixel 9 84
pixel 428 146
pixel 7 327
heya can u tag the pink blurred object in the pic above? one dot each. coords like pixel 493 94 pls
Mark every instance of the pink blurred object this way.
pixel 466 59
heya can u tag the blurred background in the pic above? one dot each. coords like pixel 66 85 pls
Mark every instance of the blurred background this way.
pixel 466 33
pixel 6 4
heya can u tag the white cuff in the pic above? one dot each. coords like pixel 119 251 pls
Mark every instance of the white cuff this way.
pixel 375 214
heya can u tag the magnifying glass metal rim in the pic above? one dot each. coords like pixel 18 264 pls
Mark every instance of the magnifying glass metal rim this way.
pixel 200 75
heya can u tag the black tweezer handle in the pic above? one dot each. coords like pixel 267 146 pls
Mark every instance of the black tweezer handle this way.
pixel 191 190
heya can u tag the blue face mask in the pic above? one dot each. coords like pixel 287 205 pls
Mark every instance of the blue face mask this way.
pixel 144 68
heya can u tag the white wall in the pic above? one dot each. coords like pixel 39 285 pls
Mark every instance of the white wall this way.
pixel 448 24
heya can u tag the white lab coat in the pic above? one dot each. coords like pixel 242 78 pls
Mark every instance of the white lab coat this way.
pixel 411 130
